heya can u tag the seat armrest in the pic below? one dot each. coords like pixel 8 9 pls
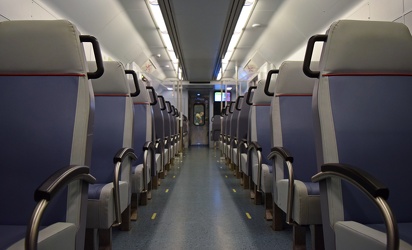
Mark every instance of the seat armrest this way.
pixel 118 159
pixel 281 151
pixel 161 150
pixel 148 147
pixel 123 153
pixel 288 158
pixel 61 179
pixel 47 190
pixel 369 183
pixel 254 144
pixel 371 187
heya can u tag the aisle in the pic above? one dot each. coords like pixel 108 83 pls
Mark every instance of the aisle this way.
pixel 201 205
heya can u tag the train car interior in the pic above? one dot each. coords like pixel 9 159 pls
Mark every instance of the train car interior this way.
pixel 219 124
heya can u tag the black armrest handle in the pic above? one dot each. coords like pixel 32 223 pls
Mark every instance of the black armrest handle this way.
pixel 123 153
pixel 255 144
pixel 280 151
pixel 373 186
pixel 60 179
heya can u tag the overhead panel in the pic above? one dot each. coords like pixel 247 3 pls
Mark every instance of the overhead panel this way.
pixel 200 32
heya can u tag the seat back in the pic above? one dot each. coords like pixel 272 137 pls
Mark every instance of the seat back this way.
pixel 113 122
pixel 243 119
pixel 216 126
pixel 363 117
pixel 166 120
pixel 158 123
pixel 223 127
pixel 292 123
pixel 142 122
pixel 259 122
pixel 46 120
pixel 237 106
pixel 229 113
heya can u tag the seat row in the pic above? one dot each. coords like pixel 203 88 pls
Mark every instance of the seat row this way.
pixel 86 141
pixel 336 140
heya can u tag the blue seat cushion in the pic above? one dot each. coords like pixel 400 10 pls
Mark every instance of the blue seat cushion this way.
pixel 405 230
pixel 313 188
pixel 10 235
pixel 95 190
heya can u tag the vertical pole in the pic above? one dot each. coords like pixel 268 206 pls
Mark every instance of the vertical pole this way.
pixel 237 81
pixel 180 90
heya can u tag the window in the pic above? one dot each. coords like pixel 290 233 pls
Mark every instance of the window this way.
pixel 199 114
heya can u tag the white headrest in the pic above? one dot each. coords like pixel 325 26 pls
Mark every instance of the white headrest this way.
pixel 259 96
pixel 143 96
pixel 113 80
pixel 51 46
pixel 292 80
pixel 367 47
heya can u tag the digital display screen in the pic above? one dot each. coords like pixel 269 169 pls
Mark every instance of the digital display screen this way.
pixel 219 95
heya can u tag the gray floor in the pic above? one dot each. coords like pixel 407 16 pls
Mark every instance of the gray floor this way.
pixel 201 205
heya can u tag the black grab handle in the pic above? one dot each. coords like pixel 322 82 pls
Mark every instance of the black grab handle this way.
pixel 154 101
pixel 231 107
pixel 249 94
pixel 268 78
pixel 238 101
pixel 308 55
pixel 163 105
pixel 168 107
pixel 136 83
pixel 97 55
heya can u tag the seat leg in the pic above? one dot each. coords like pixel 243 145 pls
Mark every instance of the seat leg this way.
pixel 105 239
pixel 245 181
pixel 126 225
pixel 252 191
pixel 277 220
pixel 316 232
pixel 91 239
pixel 143 198
pixel 258 196
pixel 149 190
pixel 268 206
pixel 162 175
pixel 155 182
pixel 299 237
pixel 134 204
pixel 238 174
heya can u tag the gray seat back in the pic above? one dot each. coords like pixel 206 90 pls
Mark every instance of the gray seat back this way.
pixel 363 117
pixel 46 122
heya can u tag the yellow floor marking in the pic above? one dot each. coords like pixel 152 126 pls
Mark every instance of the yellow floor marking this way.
pixel 154 216
pixel 174 176
pixel 234 190
pixel 248 216
pixel 226 176
pixel 167 190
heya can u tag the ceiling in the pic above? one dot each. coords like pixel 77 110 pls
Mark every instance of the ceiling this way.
pixel 200 29
pixel 200 32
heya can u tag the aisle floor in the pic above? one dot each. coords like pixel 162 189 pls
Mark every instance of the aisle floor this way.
pixel 201 205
